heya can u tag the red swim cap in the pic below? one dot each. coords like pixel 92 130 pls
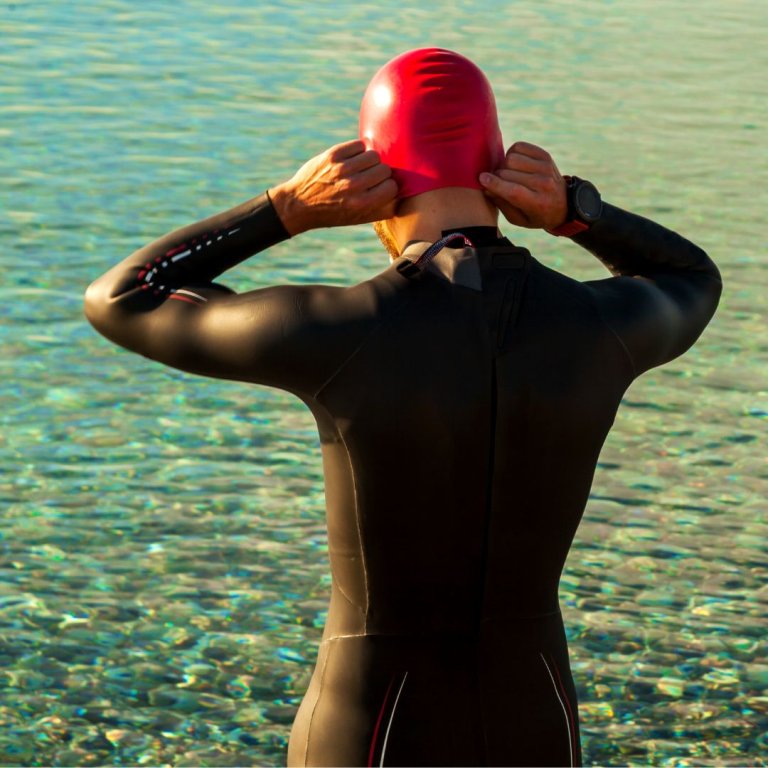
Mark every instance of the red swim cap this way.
pixel 431 116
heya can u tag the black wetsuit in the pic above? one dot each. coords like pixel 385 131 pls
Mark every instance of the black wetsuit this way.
pixel 461 411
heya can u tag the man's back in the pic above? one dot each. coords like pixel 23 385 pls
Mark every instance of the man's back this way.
pixel 460 434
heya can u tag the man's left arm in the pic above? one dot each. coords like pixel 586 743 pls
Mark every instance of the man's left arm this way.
pixel 665 289
pixel 161 301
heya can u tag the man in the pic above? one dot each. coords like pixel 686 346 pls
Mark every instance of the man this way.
pixel 462 397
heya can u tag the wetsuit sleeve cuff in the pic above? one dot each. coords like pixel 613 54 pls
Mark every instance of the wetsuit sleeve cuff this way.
pixel 268 222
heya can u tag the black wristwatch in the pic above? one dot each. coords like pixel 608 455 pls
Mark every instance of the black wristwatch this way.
pixel 584 207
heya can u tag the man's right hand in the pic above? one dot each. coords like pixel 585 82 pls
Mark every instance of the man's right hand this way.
pixel 528 189
pixel 344 185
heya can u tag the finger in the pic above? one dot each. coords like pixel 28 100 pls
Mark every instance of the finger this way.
pixel 370 177
pixel 534 181
pixel 511 192
pixel 549 185
pixel 375 204
pixel 516 161
pixel 345 150
pixel 531 150
pixel 383 195
pixel 360 162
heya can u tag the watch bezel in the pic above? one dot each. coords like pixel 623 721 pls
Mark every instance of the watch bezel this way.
pixel 579 186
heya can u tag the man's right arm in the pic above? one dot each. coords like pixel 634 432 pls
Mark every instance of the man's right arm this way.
pixel 664 291
pixel 161 302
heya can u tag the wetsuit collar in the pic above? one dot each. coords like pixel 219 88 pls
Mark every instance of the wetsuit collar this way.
pixel 455 261
pixel 414 249
pixel 480 236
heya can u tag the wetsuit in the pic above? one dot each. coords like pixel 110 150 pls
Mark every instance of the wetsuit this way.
pixel 461 410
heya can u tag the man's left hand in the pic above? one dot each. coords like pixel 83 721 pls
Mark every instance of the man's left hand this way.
pixel 344 185
pixel 528 189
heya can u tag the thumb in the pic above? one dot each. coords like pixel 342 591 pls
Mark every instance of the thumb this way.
pixel 506 191
pixel 489 181
pixel 492 187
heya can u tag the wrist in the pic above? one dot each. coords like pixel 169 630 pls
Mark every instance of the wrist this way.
pixel 584 207
pixel 287 209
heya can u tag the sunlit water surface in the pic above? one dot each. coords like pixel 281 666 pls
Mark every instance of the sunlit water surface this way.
pixel 163 566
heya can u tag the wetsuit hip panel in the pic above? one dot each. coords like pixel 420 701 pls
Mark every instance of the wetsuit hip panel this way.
pixel 503 697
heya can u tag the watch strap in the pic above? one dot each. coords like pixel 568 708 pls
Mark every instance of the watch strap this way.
pixel 572 225
pixel 569 228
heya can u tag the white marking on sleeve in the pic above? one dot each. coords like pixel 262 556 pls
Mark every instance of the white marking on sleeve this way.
pixel 190 293
pixel 181 255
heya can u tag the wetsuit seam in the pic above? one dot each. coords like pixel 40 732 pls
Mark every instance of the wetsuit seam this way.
pixel 447 284
pixel 343 593
pixel 618 338
pixel 391 719
pixel 571 718
pixel 510 309
pixel 595 305
pixel 565 713
pixel 591 301
pixel 489 490
pixel 361 344
pixel 359 530
pixel 372 749
pixel 314 706
pixel 344 637
pixel 487 531
pixel 632 365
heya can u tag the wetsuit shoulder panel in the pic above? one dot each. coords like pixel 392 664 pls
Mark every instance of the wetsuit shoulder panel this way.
pixel 664 291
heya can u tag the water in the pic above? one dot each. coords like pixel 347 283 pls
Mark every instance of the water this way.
pixel 162 551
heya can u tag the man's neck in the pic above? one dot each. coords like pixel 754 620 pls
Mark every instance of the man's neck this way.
pixel 428 216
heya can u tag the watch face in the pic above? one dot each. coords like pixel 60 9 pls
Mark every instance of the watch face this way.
pixel 588 203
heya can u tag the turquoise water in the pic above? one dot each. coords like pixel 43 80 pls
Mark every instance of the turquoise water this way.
pixel 163 570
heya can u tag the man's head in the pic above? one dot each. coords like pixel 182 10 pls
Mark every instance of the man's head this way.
pixel 431 115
